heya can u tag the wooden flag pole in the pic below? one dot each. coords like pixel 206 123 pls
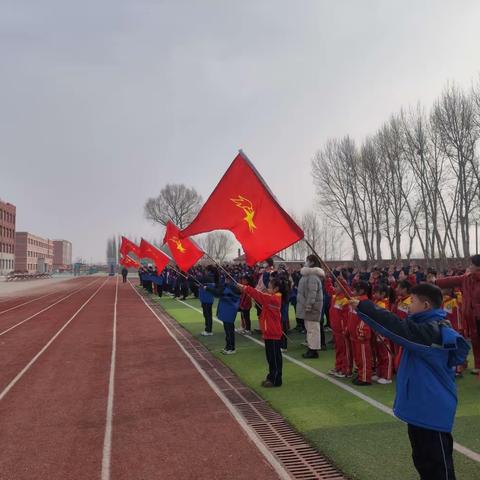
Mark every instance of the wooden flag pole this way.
pixel 219 266
pixel 328 270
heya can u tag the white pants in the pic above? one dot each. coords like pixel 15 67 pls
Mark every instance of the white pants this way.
pixel 313 335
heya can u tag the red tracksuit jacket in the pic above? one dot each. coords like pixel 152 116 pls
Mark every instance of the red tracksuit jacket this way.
pixel 271 317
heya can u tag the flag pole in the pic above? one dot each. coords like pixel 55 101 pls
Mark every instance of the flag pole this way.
pixel 328 269
pixel 219 266
pixel 188 275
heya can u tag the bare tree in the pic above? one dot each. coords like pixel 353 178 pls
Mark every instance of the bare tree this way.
pixel 176 202
pixel 454 119
pixel 217 245
pixel 332 171
pixel 398 183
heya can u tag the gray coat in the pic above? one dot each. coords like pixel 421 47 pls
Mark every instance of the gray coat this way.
pixel 310 294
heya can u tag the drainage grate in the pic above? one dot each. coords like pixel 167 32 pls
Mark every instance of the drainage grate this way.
pixel 299 458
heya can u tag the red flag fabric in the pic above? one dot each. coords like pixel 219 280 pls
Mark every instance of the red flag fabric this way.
pixel 147 250
pixel 243 204
pixel 129 262
pixel 184 251
pixel 128 246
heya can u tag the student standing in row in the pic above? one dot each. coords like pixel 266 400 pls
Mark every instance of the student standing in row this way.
pixel 210 279
pixel 271 326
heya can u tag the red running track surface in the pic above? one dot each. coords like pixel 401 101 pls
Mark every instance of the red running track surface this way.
pixel 168 423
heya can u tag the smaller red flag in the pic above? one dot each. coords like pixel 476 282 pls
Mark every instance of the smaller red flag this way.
pixel 129 262
pixel 147 250
pixel 184 250
pixel 128 246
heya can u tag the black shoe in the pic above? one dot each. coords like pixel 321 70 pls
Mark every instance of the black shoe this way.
pixel 359 383
pixel 267 384
pixel 310 354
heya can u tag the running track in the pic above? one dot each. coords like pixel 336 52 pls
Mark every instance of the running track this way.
pixel 92 386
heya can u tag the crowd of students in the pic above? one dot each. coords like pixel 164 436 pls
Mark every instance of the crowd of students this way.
pixel 360 353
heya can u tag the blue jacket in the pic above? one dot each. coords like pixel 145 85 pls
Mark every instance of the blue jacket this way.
pixel 228 304
pixel 206 296
pixel 426 391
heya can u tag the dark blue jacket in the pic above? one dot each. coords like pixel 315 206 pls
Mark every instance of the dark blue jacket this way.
pixel 228 303
pixel 426 391
pixel 206 296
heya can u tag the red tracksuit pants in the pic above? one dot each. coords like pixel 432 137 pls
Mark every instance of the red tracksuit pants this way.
pixel 348 353
pixel 340 352
pixel 384 358
pixel 362 352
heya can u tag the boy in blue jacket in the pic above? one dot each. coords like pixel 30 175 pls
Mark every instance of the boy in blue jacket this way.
pixel 426 397
pixel 210 279
pixel 227 308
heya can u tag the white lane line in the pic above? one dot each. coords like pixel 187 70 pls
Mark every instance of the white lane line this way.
pixel 37 356
pixel 471 454
pixel 107 441
pixel 277 466
pixel 26 303
pixel 46 308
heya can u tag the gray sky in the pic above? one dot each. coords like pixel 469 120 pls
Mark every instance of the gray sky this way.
pixel 103 102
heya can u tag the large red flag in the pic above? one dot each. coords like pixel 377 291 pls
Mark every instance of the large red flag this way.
pixel 129 262
pixel 128 246
pixel 184 251
pixel 147 250
pixel 243 204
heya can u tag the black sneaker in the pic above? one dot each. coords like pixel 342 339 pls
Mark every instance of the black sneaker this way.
pixel 310 354
pixel 359 383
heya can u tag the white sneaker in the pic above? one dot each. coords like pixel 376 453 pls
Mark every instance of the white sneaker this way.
pixel 206 334
pixel 229 352
pixel 339 375
pixel 375 378
pixel 247 332
pixel 383 381
pixel 283 350
pixel 332 371
pixel 239 330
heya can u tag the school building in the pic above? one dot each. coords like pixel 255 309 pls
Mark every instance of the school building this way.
pixel 62 255
pixel 33 254
pixel 7 237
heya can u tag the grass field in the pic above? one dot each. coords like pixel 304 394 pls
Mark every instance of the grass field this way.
pixel 364 442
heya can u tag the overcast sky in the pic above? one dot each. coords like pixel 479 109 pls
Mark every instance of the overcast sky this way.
pixel 103 102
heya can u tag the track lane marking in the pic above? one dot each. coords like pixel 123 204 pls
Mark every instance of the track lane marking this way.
pixel 46 308
pixel 26 303
pixel 45 347
pixel 107 441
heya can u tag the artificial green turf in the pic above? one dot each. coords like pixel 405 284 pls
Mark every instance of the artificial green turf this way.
pixel 362 441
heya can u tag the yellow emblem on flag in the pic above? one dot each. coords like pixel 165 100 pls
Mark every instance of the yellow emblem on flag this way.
pixel 247 206
pixel 178 244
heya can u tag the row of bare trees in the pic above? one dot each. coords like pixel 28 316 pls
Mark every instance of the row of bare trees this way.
pixel 413 184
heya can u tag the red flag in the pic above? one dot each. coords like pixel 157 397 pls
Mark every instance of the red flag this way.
pixel 128 246
pixel 147 250
pixel 129 262
pixel 184 251
pixel 243 204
